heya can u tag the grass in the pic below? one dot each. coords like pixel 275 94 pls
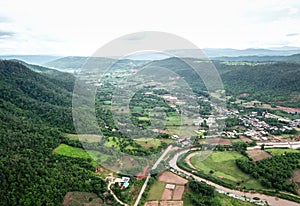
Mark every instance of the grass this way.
pixel 275 152
pixel 229 201
pixel 151 142
pixel 224 167
pixel 224 200
pixel 112 142
pixel 156 190
pixel 69 151
pixel 144 118
pixel 84 137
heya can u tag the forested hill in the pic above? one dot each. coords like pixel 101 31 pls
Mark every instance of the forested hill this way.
pixel 30 93
pixel 275 83
pixel 271 82
pixel 34 111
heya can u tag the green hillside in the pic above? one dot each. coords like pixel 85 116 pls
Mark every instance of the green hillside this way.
pixel 275 83
pixel 34 111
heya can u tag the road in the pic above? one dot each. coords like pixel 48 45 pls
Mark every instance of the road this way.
pixel 113 194
pixel 149 175
pixel 272 201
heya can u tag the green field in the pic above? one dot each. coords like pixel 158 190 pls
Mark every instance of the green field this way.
pixel 276 151
pixel 69 151
pixel 156 190
pixel 223 166
pixel 144 118
pixel 229 201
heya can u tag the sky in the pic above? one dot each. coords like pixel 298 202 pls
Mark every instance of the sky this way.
pixel 81 27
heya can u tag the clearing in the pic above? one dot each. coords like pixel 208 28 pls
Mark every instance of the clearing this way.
pixel 70 151
pixel 169 177
pixel 296 179
pixel 152 142
pixel 275 151
pixel 221 141
pixel 222 165
pixel 81 198
pixel 258 155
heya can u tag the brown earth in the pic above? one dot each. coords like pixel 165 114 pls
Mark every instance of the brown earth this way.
pixel 171 203
pixel 178 192
pixel 296 178
pixel 169 177
pixel 167 194
pixel 245 139
pixel 81 198
pixel 220 141
pixel 151 203
pixel 258 155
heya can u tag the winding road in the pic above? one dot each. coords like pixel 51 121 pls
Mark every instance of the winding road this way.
pixel 272 201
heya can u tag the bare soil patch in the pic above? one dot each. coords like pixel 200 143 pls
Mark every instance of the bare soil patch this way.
pixel 151 203
pixel 171 203
pixel 220 141
pixel 81 198
pixel 167 194
pixel 245 139
pixel 296 178
pixel 288 109
pixel 258 155
pixel 177 195
pixel 169 177
pixel 187 160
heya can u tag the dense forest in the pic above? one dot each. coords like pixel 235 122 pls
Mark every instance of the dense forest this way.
pixel 35 112
pixel 273 172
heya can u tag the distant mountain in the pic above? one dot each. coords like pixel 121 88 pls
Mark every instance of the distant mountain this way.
pixel 31 59
pixel 292 58
pixel 75 63
pixel 210 52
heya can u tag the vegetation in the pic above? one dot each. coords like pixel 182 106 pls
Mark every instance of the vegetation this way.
pixel 199 193
pixel 273 172
pixel 222 165
pixel 275 151
pixel 35 112
pixel 156 190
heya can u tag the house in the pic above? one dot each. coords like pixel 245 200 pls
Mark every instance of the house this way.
pixel 125 185
pixel 170 186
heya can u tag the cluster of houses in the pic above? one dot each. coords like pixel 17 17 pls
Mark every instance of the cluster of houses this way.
pixel 295 123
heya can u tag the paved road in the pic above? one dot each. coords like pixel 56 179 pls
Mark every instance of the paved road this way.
pixel 149 175
pixel 272 201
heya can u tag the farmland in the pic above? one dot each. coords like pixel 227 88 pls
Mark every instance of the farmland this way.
pixel 258 155
pixel 222 165
pixel 160 194
pixel 275 152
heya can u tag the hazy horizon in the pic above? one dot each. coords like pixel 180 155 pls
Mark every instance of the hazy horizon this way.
pixel 80 28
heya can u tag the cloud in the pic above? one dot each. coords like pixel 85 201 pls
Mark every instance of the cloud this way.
pixel 293 34
pixel 134 37
pixel 4 19
pixel 6 34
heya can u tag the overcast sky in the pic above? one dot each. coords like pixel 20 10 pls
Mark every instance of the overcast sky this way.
pixel 81 27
